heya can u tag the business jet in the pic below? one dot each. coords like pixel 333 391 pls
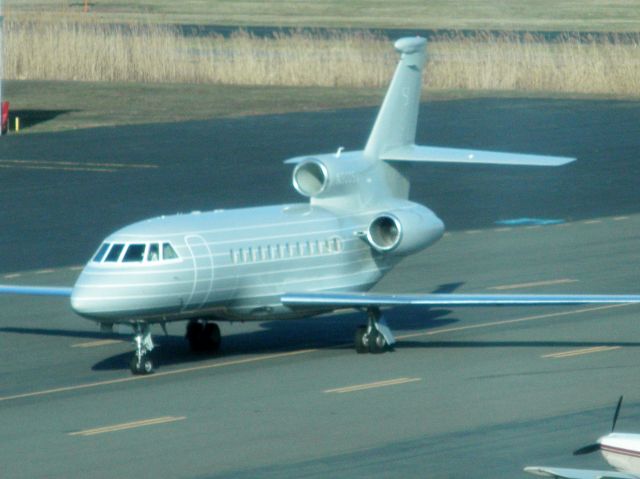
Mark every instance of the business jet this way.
pixel 620 450
pixel 293 260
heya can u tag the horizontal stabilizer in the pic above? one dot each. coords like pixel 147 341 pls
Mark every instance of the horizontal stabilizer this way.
pixel 358 300
pixel 454 155
pixel 35 290
pixel 562 473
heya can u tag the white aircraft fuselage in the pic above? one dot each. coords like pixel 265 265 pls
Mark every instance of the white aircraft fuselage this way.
pixel 237 264
pixel 622 451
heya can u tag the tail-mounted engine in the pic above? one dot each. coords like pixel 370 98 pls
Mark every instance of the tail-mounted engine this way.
pixel 404 231
pixel 329 176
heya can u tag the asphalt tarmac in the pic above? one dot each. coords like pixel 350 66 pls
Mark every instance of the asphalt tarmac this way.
pixel 467 392
pixel 62 193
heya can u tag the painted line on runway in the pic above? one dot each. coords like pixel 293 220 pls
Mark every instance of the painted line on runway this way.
pixel 620 218
pixel 44 271
pixel 96 344
pixel 512 321
pixel 581 352
pixel 72 165
pixel 128 379
pixel 294 353
pixel 592 222
pixel 11 275
pixel 535 284
pixel 128 425
pixel 378 384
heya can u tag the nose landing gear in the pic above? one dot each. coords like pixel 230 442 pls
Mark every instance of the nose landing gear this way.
pixel 141 362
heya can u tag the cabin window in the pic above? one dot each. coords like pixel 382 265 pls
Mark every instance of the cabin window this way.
pixel 101 252
pixel 336 245
pixel 168 252
pixel 134 253
pixel 154 252
pixel 114 253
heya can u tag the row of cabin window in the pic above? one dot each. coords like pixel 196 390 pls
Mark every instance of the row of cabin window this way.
pixel 135 252
pixel 287 250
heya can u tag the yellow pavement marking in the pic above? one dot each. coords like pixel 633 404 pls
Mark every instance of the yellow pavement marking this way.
pixel 95 344
pixel 580 352
pixel 44 271
pixel 511 321
pixel 296 353
pixel 535 284
pixel 473 232
pixel 592 222
pixel 156 375
pixel 128 425
pixel 12 275
pixel 72 165
pixel 500 230
pixel 620 218
pixel 378 384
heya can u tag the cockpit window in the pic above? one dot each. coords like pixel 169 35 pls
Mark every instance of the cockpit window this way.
pixel 168 252
pixel 101 252
pixel 154 252
pixel 114 253
pixel 134 253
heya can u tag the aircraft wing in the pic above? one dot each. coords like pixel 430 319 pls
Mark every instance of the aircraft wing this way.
pixel 360 300
pixel 35 290
pixel 560 473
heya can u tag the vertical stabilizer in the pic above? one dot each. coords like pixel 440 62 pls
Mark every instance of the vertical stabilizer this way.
pixel 396 123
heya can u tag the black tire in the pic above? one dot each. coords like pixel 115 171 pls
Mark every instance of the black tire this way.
pixel 377 343
pixel 144 366
pixel 195 335
pixel 211 336
pixel 361 340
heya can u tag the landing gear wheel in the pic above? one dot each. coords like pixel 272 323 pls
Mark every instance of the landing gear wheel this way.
pixel 362 340
pixel 377 343
pixel 141 362
pixel 203 337
pixel 195 330
pixel 142 365
pixel 211 336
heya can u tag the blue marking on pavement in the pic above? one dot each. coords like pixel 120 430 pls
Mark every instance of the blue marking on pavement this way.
pixel 529 222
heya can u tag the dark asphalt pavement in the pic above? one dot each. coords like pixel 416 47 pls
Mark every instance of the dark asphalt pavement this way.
pixel 238 162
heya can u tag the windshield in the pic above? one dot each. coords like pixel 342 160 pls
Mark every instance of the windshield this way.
pixel 152 252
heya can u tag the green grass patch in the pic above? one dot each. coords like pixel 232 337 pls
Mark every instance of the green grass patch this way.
pixel 62 105
pixel 46 106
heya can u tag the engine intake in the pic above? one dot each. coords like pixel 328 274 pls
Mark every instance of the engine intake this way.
pixel 310 178
pixel 385 232
pixel 404 231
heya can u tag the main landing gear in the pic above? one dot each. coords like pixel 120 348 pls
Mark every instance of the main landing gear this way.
pixel 203 336
pixel 141 362
pixel 375 337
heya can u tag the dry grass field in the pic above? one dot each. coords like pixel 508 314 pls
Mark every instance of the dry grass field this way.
pixel 538 15
pixel 79 48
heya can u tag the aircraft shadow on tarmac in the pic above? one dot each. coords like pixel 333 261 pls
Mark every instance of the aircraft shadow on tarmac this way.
pixel 33 117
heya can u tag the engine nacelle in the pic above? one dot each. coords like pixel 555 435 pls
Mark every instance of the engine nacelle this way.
pixel 329 176
pixel 404 231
